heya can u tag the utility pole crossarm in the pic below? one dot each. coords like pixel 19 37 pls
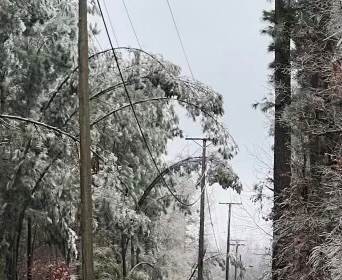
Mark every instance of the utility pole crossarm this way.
pixel 228 234
pixel 231 203
pixel 197 139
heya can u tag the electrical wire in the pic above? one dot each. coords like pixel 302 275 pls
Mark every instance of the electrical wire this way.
pixel 131 22
pixel 212 225
pixel 135 114
pixel 180 39
pixel 267 233
pixel 216 218
pixel 97 41
pixel 110 22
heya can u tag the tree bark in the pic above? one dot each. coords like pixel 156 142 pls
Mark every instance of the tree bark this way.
pixel 123 254
pixel 12 257
pixel 11 271
pixel 282 133
pixel 29 248
pixel 137 255
pixel 132 252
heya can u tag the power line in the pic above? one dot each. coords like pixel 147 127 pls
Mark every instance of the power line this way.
pixel 134 112
pixel 97 41
pixel 131 22
pixel 110 22
pixel 180 39
pixel 212 225
pixel 267 233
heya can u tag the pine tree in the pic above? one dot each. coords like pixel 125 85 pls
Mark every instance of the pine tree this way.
pixel 280 30
pixel 308 222
pixel 39 138
pixel 282 135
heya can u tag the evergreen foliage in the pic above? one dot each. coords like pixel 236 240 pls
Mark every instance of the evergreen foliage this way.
pixel 309 222
pixel 39 141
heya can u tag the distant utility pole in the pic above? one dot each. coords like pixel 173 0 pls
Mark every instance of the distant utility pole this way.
pixel 85 157
pixel 228 235
pixel 236 255
pixel 201 231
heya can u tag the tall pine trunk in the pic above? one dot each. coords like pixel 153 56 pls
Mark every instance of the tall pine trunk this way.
pixel 123 254
pixel 132 252
pixel 282 134
pixel 29 248
pixel 13 254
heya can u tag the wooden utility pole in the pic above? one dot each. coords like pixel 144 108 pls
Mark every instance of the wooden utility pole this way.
pixel 201 231
pixel 85 157
pixel 236 255
pixel 228 235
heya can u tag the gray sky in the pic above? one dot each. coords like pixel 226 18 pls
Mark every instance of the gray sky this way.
pixel 226 51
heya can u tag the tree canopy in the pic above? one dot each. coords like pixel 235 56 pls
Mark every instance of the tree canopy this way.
pixel 39 138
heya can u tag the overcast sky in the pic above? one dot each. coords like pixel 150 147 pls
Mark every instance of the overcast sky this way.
pixel 226 51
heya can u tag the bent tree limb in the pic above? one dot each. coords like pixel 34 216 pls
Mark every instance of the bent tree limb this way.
pixel 167 170
pixel 182 101
pixel 41 124
pixel 128 106
pixel 140 264
pixel 194 271
pixel 66 79
pixel 100 93
pixel 55 129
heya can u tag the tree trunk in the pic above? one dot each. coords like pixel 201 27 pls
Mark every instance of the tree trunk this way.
pixel 11 267
pixel 137 255
pixel 13 254
pixel 282 134
pixel 132 252
pixel 123 254
pixel 29 249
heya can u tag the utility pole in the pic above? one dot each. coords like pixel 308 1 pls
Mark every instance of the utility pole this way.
pixel 201 231
pixel 236 255
pixel 228 235
pixel 85 157
pixel 240 262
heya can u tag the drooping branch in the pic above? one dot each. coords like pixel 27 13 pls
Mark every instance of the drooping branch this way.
pixel 196 267
pixel 162 99
pixel 185 82
pixel 170 169
pixel 126 106
pixel 100 93
pixel 55 129
pixel 140 264
pixel 136 50
pixel 167 170
pixel 66 79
